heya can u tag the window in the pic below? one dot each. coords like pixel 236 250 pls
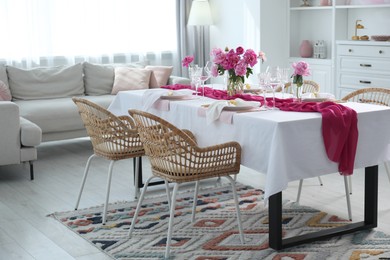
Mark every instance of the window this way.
pixel 33 30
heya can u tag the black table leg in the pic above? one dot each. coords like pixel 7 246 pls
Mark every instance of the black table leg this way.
pixel 276 240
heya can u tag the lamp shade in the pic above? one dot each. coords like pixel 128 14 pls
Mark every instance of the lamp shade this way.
pixel 200 13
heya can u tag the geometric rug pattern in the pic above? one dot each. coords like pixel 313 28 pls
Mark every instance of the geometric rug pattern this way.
pixel 214 234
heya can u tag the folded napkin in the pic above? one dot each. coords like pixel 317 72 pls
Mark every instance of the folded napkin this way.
pixel 214 110
pixel 151 96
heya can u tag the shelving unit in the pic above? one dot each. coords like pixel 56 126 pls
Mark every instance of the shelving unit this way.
pixel 332 23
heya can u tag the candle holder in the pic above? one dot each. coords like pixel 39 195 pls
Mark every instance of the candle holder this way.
pixel 358 26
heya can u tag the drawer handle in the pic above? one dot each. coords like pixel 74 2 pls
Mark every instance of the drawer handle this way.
pixel 350 50
pixel 365 82
pixel 380 52
pixel 365 65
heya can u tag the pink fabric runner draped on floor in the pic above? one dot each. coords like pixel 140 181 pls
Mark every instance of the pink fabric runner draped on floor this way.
pixel 339 123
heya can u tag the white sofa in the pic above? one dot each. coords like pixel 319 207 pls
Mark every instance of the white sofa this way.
pixel 41 100
pixel 18 137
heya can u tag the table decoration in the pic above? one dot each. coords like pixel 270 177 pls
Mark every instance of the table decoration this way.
pixel 238 64
pixel 301 69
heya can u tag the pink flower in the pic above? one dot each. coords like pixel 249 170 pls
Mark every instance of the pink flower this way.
pixel 214 70
pixel 262 56
pixel 239 50
pixel 187 60
pixel 219 55
pixel 250 57
pixel 240 69
pixel 238 63
pixel 301 68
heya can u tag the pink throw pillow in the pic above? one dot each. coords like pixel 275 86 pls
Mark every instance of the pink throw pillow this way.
pixel 130 79
pixel 5 93
pixel 160 75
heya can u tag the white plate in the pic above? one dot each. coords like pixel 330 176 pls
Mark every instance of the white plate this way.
pixel 237 108
pixel 315 99
pixel 178 97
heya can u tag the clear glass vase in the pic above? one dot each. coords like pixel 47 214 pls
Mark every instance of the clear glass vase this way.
pixel 297 92
pixel 234 87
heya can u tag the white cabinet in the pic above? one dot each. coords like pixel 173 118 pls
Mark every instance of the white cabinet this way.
pixel 362 65
pixel 332 23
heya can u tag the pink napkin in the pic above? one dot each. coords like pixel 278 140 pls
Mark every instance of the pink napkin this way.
pixel 339 123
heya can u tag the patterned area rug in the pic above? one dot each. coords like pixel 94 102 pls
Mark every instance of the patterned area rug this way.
pixel 214 235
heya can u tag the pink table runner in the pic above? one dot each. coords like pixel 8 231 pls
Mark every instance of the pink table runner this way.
pixel 339 123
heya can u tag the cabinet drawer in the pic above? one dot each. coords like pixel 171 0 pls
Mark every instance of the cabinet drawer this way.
pixel 377 66
pixel 364 51
pixel 364 81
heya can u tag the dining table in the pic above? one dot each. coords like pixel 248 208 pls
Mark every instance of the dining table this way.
pixel 285 146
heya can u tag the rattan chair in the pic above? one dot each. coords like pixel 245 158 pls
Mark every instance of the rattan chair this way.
pixel 175 157
pixel 113 138
pixel 375 96
pixel 308 86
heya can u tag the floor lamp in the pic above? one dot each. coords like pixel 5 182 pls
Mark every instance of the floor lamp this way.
pixel 200 16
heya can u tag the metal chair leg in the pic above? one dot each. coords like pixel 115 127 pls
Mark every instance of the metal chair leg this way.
pixel 84 179
pixel 299 190
pixel 171 218
pixel 107 192
pixel 233 183
pixel 387 170
pixel 348 198
pixel 320 180
pixel 195 201
pixel 350 184
pixel 139 204
pixel 136 176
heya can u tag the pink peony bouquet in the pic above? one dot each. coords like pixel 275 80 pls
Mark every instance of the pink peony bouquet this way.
pixel 187 61
pixel 301 69
pixel 238 63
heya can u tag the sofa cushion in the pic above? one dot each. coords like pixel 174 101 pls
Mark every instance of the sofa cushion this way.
pixel 3 74
pixel 5 93
pixel 99 78
pixel 130 79
pixel 59 114
pixel 46 83
pixel 160 75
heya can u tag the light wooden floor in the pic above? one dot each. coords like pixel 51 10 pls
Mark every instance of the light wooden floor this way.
pixel 27 233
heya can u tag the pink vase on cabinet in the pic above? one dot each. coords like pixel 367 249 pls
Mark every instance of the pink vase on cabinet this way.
pixel 306 49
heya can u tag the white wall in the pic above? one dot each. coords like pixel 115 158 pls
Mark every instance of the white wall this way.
pixel 255 24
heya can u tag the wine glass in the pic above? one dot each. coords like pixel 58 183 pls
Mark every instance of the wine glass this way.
pixel 195 72
pixel 263 83
pixel 207 74
pixel 274 81
pixel 285 78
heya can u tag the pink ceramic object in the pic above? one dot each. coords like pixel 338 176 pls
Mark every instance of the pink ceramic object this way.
pixel 306 49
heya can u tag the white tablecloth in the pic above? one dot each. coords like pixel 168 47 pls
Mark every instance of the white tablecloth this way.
pixel 286 146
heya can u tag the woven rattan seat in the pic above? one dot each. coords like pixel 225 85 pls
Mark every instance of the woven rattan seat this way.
pixel 113 138
pixel 308 86
pixel 175 157
pixel 376 96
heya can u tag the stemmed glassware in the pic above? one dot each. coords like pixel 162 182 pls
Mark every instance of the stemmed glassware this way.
pixel 195 72
pixel 264 83
pixel 206 75
pixel 274 81
pixel 285 78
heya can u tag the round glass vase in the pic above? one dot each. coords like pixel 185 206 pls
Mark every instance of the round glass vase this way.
pixel 234 87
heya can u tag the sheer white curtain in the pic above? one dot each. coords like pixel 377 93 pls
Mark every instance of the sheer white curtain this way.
pixel 56 32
